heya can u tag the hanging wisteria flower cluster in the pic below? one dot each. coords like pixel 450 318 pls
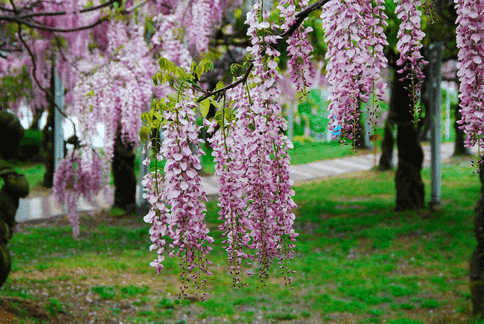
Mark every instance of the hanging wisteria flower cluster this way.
pixel 301 69
pixel 410 36
pixel 178 209
pixel 232 195
pixel 354 33
pixel 126 91
pixel 72 180
pixel 260 126
pixel 470 40
pixel 250 149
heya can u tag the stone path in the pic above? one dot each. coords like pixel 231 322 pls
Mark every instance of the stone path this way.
pixel 43 207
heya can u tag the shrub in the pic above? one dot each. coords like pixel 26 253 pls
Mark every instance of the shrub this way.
pixel 30 145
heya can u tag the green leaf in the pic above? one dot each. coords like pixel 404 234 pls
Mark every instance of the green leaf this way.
pixel 180 72
pixel 204 107
pixel 202 67
pixel 162 62
pixel 215 103
pixel 219 85
pixel 144 134
pixel 207 65
pixel 145 117
pixel 235 68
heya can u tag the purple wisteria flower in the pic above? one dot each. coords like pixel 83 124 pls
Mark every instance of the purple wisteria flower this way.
pixel 470 40
pixel 177 200
pixel 354 33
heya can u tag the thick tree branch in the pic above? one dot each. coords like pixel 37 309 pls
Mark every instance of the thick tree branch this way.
pixel 301 16
pixel 60 13
pixel 46 28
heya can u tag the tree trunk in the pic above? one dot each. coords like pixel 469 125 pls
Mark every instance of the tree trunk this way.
pixel 48 137
pixel 48 147
pixel 386 158
pixel 476 266
pixel 459 147
pixel 408 180
pixel 123 174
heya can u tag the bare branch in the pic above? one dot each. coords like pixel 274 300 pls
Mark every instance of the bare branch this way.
pixel 34 70
pixel 60 13
pixel 135 7
pixel 42 27
pixel 230 86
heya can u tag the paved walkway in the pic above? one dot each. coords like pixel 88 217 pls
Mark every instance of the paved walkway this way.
pixel 43 207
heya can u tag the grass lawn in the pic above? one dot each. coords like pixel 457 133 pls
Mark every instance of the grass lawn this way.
pixel 357 261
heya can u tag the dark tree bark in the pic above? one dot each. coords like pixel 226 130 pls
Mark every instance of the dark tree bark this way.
pixel 408 180
pixel 48 141
pixel 123 174
pixel 459 147
pixel 476 267
pixel 48 147
pixel 386 158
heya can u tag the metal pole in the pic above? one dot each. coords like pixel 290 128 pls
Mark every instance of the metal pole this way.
pixel 435 119
pixel 58 118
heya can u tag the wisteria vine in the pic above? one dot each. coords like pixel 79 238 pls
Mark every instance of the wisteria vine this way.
pixel 178 209
pixel 354 33
pixel 470 41
pixel 410 36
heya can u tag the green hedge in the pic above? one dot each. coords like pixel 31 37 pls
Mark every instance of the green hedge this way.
pixel 30 145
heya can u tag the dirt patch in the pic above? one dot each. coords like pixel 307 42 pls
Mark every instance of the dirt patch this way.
pixel 6 317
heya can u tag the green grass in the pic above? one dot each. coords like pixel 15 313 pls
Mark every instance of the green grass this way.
pixel 356 259
pixel 34 172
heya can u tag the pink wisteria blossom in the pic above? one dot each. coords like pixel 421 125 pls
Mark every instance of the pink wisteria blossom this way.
pixel 115 94
pixel 470 40
pixel 354 33
pixel 178 209
pixel 259 151
pixel 301 69
pixel 410 36
pixel 232 184
pixel 74 179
